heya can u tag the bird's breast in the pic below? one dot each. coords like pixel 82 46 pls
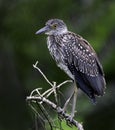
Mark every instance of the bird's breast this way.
pixel 57 54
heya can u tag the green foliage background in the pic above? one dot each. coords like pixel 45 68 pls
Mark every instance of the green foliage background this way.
pixel 20 48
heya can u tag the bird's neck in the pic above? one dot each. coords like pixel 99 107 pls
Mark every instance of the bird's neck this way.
pixel 63 31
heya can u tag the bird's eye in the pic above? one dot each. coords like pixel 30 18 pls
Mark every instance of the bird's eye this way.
pixel 54 26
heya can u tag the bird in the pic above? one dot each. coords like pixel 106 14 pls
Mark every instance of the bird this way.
pixel 76 57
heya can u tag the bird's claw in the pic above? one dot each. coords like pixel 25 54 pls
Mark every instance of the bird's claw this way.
pixel 69 121
pixel 61 113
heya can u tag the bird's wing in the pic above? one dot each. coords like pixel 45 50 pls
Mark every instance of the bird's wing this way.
pixel 82 56
pixel 82 60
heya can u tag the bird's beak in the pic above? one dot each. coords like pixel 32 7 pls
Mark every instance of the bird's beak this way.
pixel 43 30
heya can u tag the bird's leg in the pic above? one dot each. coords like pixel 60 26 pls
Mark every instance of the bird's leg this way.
pixel 74 101
pixel 67 102
pixel 74 95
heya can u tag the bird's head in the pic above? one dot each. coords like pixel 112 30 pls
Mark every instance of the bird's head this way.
pixel 53 27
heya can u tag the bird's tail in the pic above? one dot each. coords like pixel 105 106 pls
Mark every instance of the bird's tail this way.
pixel 90 85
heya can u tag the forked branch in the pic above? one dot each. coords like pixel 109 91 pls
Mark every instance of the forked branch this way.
pixel 40 98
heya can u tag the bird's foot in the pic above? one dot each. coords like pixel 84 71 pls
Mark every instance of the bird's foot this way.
pixel 69 121
pixel 61 114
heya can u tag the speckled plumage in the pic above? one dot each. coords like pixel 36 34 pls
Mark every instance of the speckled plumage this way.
pixel 76 57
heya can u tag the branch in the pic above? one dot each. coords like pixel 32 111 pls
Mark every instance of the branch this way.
pixel 59 110
pixel 53 85
pixel 35 66
pixel 36 96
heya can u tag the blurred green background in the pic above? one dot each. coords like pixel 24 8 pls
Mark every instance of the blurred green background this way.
pixel 20 48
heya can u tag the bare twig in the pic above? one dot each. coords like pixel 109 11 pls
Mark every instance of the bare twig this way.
pixel 53 85
pixel 40 98
pixel 59 110
pixel 67 81
pixel 35 66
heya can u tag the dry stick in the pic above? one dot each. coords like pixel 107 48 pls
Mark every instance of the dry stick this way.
pixel 35 66
pixel 42 109
pixel 40 99
pixel 54 87
pixel 59 110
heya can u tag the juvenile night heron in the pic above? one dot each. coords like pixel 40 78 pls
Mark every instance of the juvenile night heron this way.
pixel 76 57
